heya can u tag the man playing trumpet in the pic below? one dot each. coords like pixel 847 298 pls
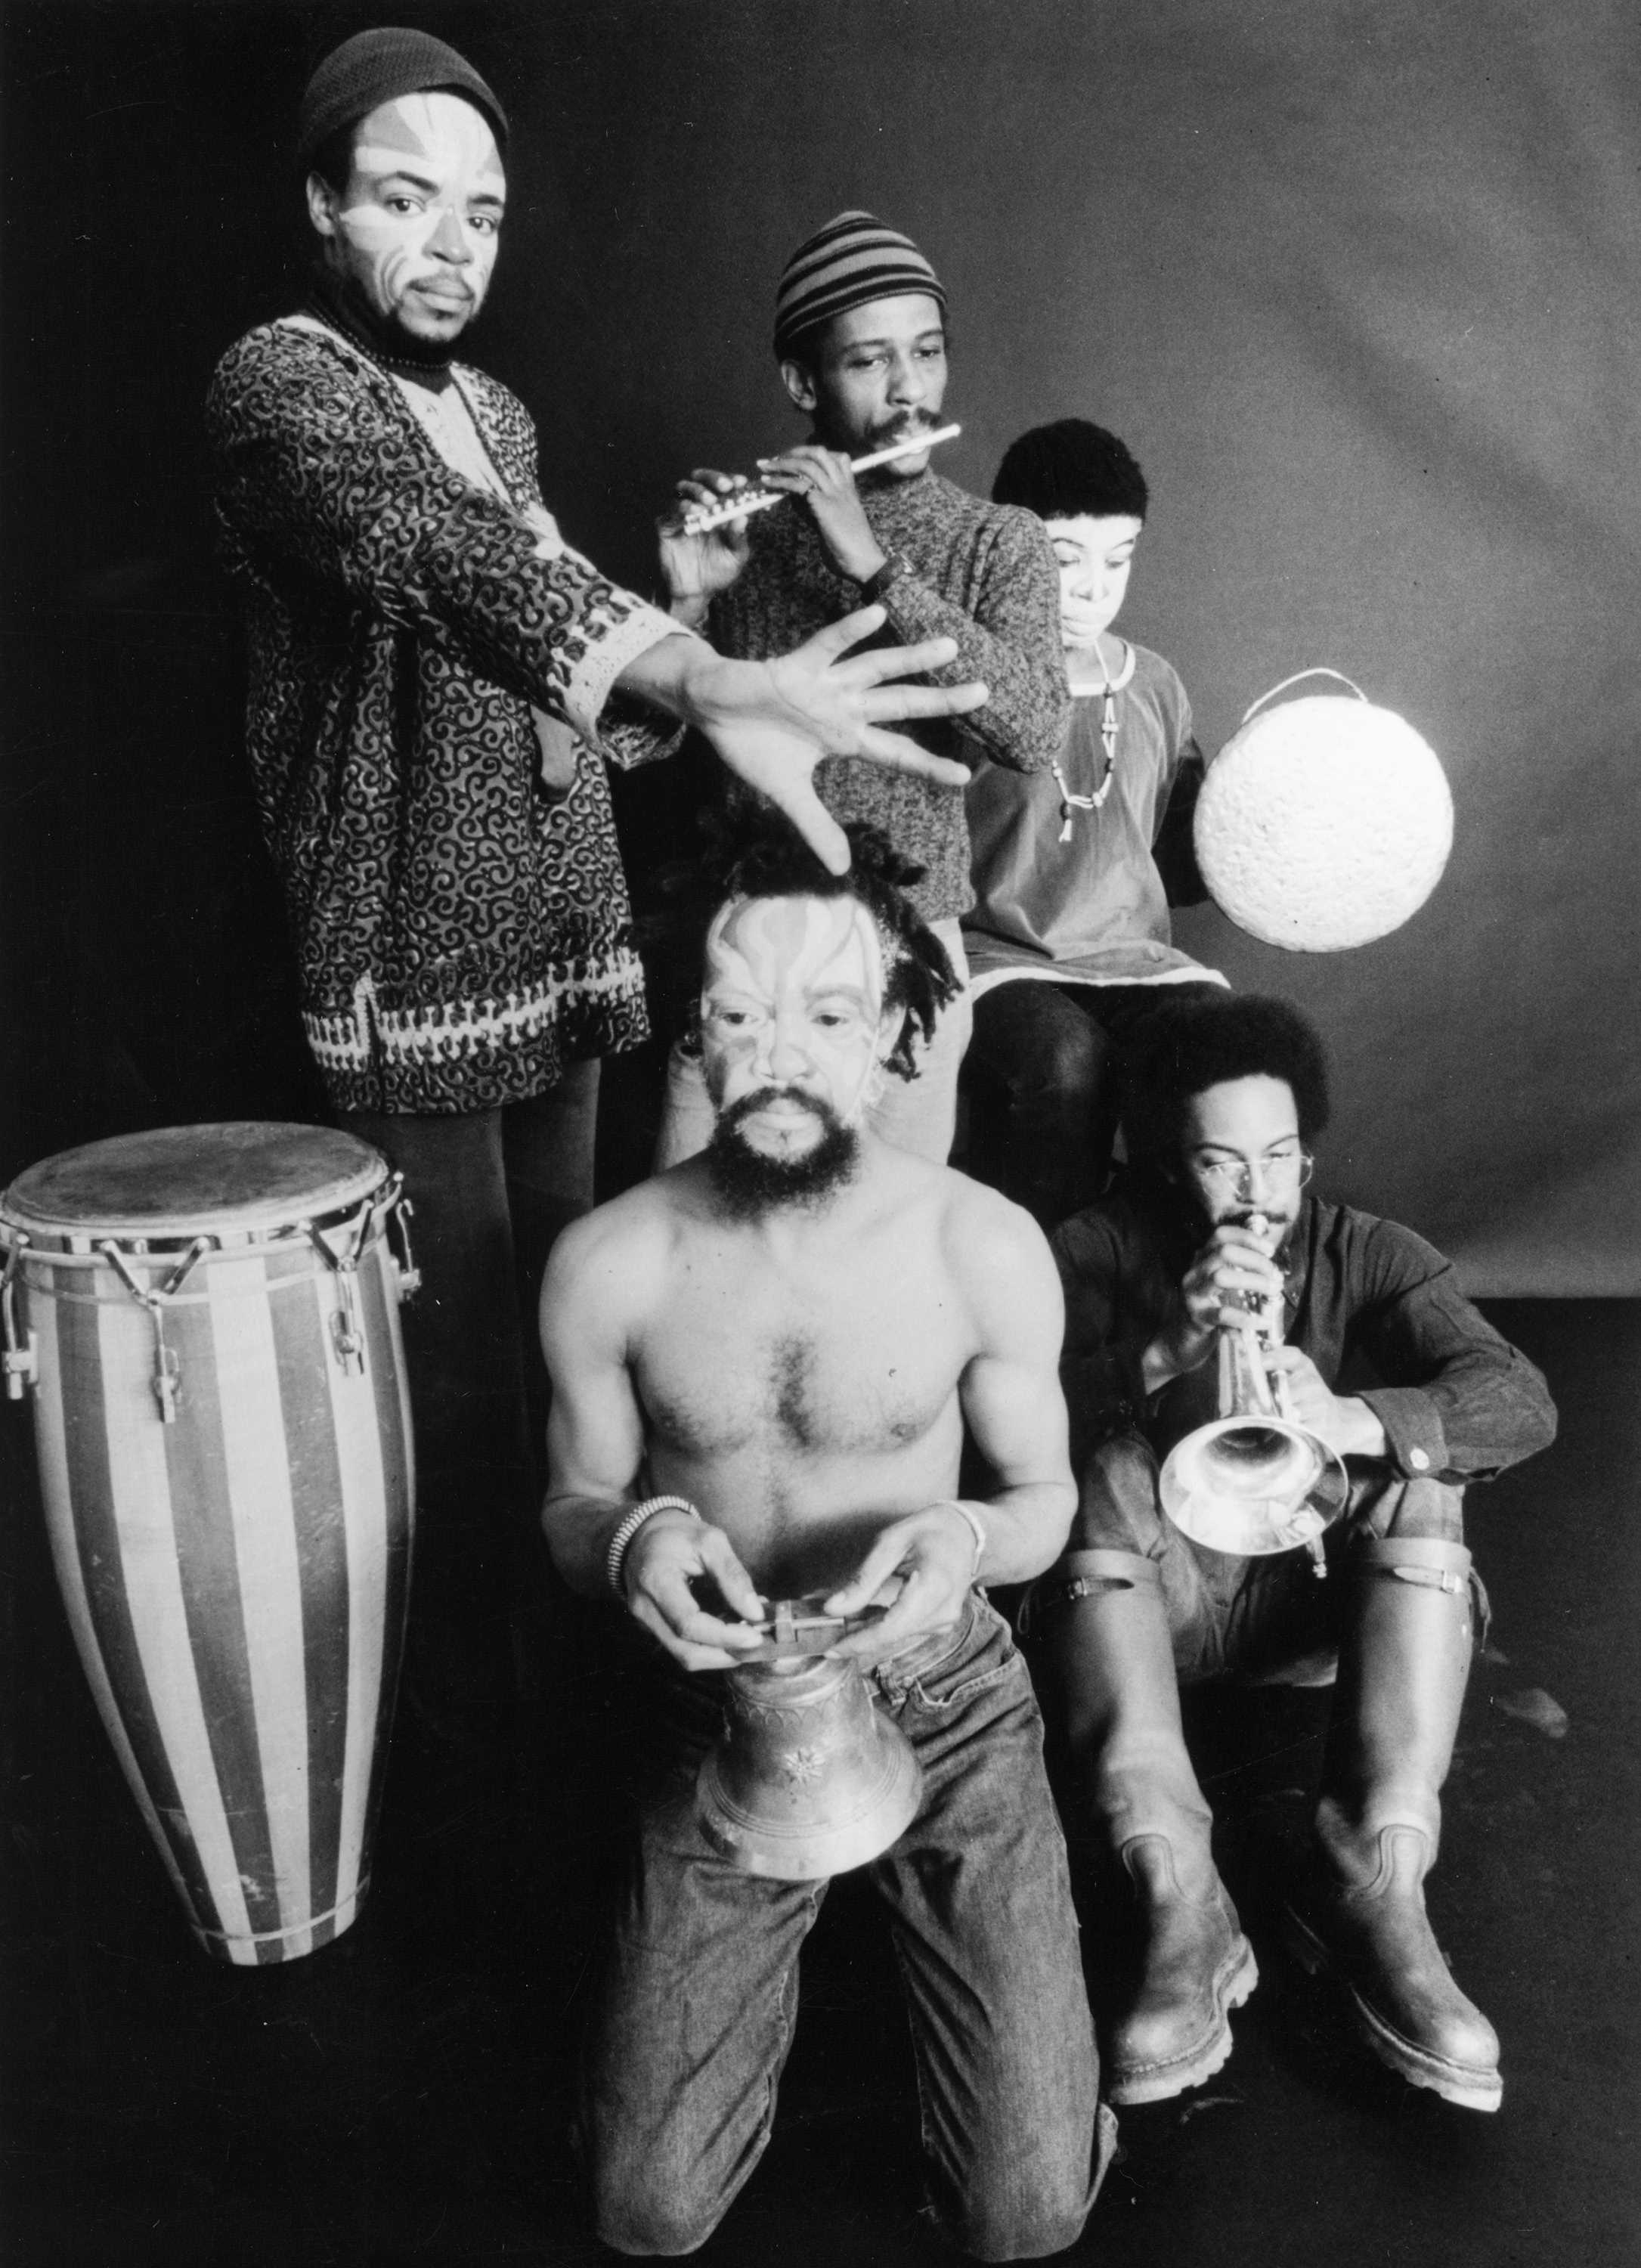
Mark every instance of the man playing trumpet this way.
pixel 860 336
pixel 1225 1097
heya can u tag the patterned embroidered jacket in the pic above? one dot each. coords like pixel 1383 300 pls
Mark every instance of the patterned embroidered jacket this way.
pixel 461 932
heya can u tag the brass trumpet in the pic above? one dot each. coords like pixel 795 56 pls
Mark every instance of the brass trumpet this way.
pixel 1253 1480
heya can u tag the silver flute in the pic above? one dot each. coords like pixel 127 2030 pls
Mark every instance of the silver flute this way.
pixel 698 518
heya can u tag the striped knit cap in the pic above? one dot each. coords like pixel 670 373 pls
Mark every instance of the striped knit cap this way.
pixel 377 67
pixel 853 259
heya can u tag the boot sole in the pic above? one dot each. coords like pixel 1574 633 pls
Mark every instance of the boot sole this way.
pixel 1472 2088
pixel 1159 2082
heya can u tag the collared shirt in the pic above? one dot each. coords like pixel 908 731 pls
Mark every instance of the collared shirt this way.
pixel 1457 1401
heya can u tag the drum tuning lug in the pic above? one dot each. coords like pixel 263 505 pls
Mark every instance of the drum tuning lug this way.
pixel 167 1386
pixel 22 1367
pixel 345 1330
pixel 21 1363
pixel 349 1340
pixel 408 1275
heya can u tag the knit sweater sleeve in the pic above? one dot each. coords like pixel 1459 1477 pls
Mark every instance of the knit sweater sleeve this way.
pixel 1007 630
pixel 324 482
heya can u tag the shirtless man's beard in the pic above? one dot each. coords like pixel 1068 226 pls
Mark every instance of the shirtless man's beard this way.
pixel 751 1184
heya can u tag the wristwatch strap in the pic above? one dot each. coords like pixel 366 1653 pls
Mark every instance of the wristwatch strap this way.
pixel 875 584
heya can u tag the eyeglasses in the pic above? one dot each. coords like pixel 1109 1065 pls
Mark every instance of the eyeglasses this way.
pixel 1237 1177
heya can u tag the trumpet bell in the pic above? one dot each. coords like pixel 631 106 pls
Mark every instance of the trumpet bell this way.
pixel 808 1780
pixel 1253 1485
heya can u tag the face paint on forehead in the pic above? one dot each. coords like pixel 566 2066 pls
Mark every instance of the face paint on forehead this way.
pixel 446 135
pixel 817 943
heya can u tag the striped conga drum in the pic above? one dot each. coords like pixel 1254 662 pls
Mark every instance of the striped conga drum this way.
pixel 208 1319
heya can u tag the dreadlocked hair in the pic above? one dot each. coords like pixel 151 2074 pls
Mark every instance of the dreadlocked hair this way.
pixel 760 855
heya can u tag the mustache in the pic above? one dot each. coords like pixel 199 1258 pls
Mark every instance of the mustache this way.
pixel 903 427
pixel 761 1097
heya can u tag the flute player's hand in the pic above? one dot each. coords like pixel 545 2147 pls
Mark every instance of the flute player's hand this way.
pixel 824 479
pixel 695 568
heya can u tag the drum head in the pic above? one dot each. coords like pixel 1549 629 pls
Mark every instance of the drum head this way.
pixel 195 1180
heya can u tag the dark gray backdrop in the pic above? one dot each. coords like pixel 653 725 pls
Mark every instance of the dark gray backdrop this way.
pixel 1357 282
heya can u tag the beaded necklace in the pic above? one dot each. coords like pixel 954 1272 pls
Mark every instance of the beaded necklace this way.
pixel 1107 690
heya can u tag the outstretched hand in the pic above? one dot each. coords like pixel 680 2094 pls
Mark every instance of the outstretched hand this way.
pixel 772 722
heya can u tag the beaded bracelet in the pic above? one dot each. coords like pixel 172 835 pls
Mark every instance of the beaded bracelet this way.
pixel 629 1528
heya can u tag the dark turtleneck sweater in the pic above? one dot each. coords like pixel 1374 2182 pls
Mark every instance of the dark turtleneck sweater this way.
pixel 981 573
pixel 332 300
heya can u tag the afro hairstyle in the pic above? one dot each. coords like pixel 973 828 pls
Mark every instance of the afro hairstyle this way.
pixel 1182 1049
pixel 1069 468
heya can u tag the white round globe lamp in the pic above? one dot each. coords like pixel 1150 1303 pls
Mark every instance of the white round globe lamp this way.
pixel 1324 823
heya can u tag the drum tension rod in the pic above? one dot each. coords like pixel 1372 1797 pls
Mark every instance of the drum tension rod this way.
pixel 345 1329
pixel 167 1380
pixel 399 1209
pixel 21 1363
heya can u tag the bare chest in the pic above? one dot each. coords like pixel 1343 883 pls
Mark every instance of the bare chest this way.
pixel 820 1369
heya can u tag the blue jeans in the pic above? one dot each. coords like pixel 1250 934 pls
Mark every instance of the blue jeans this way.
pixel 700 1992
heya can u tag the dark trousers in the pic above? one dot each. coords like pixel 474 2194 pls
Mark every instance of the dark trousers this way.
pixel 491 1190
pixel 1045 1086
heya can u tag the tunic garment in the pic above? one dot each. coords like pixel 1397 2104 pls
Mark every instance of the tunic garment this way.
pixel 1091 909
pixel 462 931
pixel 981 573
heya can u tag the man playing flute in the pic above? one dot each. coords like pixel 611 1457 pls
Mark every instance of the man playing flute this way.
pixel 435 683
pixel 860 337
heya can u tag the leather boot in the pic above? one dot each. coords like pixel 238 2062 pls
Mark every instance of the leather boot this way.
pixel 1402 1669
pixel 1105 1632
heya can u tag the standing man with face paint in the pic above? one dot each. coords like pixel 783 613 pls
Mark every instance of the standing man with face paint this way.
pixel 860 337
pixel 763 1363
pixel 436 681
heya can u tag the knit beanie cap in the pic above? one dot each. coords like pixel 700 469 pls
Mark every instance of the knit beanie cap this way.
pixel 852 260
pixel 377 67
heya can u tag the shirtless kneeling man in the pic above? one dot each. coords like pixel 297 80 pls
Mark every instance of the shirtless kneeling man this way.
pixel 789 1332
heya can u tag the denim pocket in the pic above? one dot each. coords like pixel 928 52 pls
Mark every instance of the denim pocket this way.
pixel 947 1705
pixel 988 1657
